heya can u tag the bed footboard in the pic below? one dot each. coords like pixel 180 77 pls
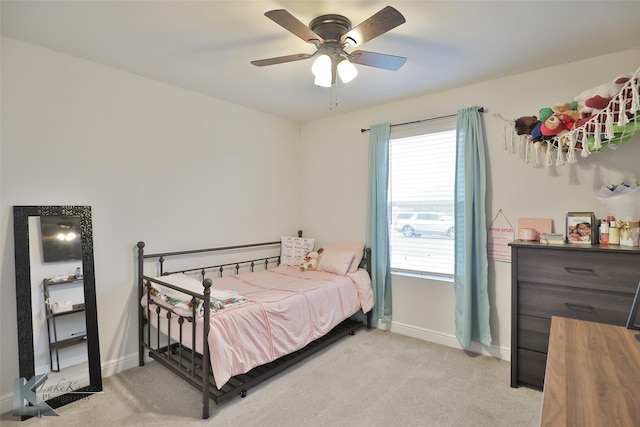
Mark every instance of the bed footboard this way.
pixel 195 370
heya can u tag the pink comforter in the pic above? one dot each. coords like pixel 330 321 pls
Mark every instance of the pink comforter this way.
pixel 286 309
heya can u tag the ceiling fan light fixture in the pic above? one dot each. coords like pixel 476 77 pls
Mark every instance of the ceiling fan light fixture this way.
pixel 321 68
pixel 331 34
pixel 347 71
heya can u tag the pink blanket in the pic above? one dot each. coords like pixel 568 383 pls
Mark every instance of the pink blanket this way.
pixel 285 310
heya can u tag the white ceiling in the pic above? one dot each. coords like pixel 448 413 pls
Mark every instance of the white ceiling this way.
pixel 206 46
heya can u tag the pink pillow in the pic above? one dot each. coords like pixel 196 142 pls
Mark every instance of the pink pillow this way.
pixel 336 262
pixel 356 248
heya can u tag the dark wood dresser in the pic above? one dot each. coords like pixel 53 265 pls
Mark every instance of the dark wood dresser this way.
pixel 586 282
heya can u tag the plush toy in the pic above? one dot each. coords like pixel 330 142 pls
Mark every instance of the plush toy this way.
pixel 536 134
pixel 597 98
pixel 570 109
pixel 557 124
pixel 545 113
pixel 596 109
pixel 529 125
pixel 525 124
pixel 311 260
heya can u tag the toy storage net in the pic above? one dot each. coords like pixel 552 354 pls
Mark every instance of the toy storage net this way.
pixel 605 129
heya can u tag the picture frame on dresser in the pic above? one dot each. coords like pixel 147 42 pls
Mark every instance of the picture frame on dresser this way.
pixel 581 228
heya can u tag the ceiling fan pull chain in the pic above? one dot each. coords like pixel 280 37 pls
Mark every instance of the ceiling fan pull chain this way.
pixel 334 93
pixel 333 96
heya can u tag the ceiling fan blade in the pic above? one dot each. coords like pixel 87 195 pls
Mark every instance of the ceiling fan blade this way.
pixel 281 59
pixel 293 25
pixel 379 60
pixel 383 21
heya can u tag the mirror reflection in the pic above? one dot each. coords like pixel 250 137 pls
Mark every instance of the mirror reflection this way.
pixel 56 300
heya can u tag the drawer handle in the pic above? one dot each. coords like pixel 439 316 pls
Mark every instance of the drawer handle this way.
pixel 576 270
pixel 571 306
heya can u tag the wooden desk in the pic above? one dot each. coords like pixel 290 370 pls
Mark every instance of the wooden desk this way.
pixel 592 375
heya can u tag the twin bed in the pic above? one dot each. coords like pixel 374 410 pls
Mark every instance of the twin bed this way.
pixel 264 312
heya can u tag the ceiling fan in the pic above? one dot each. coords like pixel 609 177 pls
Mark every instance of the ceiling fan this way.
pixel 331 34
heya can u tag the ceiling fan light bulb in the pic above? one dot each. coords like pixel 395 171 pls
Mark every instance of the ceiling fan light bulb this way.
pixel 347 71
pixel 323 80
pixel 321 68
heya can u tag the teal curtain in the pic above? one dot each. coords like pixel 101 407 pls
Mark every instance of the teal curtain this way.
pixel 378 220
pixel 471 265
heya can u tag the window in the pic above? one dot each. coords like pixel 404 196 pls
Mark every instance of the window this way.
pixel 421 200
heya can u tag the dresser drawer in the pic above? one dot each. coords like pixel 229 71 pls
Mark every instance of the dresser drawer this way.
pixel 616 272
pixel 533 333
pixel 531 367
pixel 596 306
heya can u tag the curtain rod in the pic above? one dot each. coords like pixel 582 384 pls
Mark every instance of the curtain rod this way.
pixel 481 109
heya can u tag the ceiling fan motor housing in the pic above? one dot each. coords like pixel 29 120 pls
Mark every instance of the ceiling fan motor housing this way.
pixel 330 27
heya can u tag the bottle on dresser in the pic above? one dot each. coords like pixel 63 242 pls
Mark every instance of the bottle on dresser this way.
pixel 614 231
pixel 604 232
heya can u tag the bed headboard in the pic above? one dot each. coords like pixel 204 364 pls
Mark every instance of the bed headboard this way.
pixel 366 261
pixel 264 261
pixel 164 256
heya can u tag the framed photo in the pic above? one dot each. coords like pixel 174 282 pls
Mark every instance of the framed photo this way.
pixel 581 228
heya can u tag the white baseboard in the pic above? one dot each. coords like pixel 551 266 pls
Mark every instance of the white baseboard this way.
pixel 6 403
pixel 445 339
pixel 64 363
pixel 108 368
pixel 112 367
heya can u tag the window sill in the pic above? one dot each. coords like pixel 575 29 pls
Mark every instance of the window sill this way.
pixel 424 275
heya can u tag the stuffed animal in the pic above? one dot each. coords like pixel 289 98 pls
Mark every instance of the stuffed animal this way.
pixel 525 125
pixel 597 98
pixel 545 113
pixel 529 125
pixel 310 261
pixel 536 134
pixel 595 110
pixel 557 124
pixel 570 109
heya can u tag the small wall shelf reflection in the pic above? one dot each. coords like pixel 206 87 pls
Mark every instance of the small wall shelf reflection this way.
pixel 55 344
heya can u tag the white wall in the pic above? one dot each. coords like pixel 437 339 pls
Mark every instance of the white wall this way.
pixel 335 154
pixel 173 168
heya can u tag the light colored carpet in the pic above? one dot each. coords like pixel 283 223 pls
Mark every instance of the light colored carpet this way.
pixel 374 378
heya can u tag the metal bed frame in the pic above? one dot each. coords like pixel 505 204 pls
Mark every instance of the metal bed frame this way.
pixel 194 367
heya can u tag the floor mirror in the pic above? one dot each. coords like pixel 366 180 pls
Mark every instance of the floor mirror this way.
pixel 56 305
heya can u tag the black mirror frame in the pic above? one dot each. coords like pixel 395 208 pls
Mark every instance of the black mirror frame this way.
pixel 21 216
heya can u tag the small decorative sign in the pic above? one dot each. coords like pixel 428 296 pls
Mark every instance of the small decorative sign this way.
pixel 498 240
